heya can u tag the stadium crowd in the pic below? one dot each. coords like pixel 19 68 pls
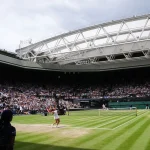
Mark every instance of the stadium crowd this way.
pixel 25 97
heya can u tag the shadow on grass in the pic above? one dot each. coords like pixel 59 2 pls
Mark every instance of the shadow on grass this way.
pixel 34 146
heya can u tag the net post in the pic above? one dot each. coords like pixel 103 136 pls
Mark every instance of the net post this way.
pixel 99 112
pixel 136 111
pixel 68 112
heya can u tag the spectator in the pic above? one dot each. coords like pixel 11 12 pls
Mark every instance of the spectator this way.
pixel 7 132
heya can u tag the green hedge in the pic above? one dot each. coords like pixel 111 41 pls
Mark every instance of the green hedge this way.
pixel 139 104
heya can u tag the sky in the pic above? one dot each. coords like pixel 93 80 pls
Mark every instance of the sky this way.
pixel 21 20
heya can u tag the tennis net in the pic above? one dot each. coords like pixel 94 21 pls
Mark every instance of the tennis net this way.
pixel 118 111
pixel 106 112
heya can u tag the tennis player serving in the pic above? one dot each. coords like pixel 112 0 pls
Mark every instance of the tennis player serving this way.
pixel 56 118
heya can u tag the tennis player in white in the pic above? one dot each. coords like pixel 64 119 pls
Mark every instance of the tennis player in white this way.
pixel 56 118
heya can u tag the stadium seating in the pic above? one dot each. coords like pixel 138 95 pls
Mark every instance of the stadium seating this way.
pixel 30 90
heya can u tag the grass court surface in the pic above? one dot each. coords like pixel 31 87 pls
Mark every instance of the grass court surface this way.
pixel 84 131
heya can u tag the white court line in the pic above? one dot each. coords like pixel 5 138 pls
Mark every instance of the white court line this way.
pixel 99 121
pixel 95 128
pixel 86 128
pixel 61 126
pixel 112 121
pixel 129 121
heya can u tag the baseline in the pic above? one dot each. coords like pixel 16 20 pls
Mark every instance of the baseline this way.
pixel 86 128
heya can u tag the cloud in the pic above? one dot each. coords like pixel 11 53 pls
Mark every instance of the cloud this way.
pixel 37 19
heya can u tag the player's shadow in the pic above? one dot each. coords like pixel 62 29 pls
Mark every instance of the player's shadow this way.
pixel 33 146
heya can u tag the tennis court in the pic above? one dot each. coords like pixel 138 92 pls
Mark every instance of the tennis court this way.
pixel 103 119
pixel 83 132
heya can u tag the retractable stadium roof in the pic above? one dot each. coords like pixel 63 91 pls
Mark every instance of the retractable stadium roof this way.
pixel 94 44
